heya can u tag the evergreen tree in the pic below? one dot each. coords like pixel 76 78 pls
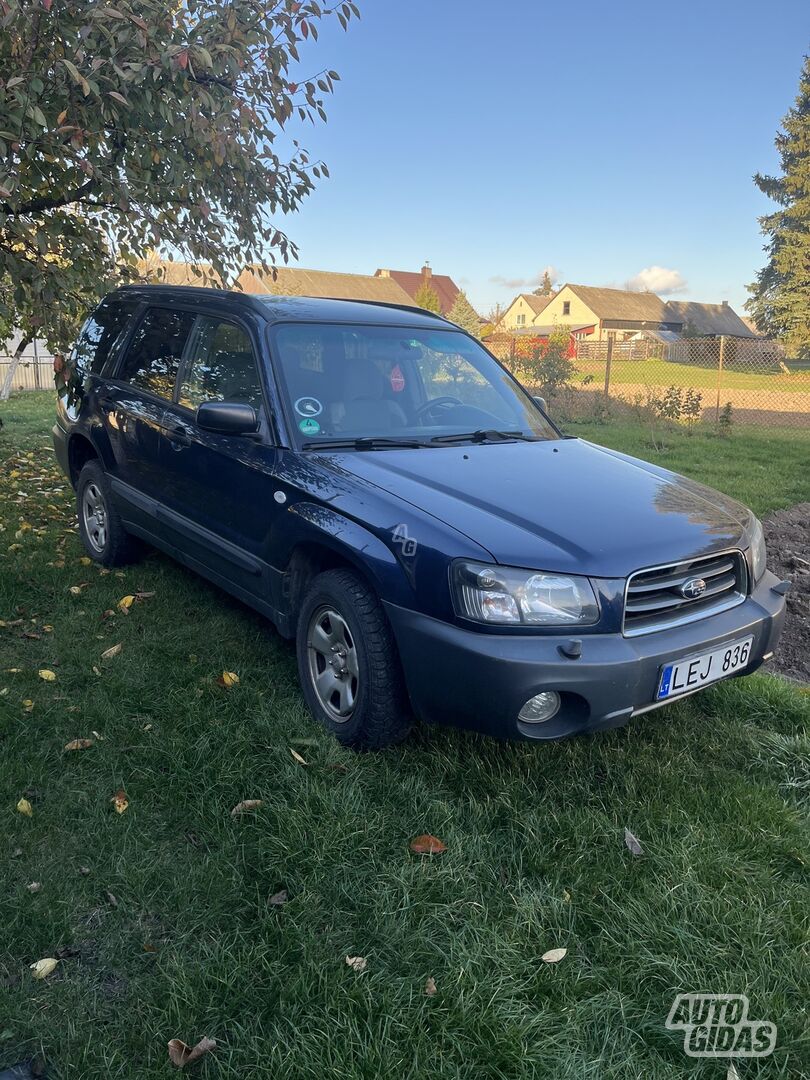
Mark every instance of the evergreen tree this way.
pixel 463 314
pixel 427 298
pixel 780 297
pixel 546 285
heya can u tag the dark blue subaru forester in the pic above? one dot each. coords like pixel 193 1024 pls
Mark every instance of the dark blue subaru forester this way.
pixel 372 480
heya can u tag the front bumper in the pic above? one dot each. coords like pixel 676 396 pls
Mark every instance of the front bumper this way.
pixel 480 680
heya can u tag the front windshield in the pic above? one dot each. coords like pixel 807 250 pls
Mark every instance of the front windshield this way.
pixel 394 384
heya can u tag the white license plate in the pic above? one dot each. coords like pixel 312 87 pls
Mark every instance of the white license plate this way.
pixel 683 676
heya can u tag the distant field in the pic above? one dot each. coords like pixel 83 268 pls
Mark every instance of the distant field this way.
pixel 663 373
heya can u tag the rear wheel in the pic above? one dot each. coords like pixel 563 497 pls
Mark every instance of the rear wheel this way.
pixel 103 534
pixel 348 663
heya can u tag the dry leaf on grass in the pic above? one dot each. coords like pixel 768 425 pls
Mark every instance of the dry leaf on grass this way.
pixel 430 987
pixel 427 845
pixel 279 898
pixel 125 603
pixel 632 842
pixel 25 807
pixel 554 956
pixel 114 650
pixel 228 679
pixel 34 887
pixel 78 744
pixel 357 963
pixel 42 968
pixel 298 757
pixel 181 1054
pixel 120 801
pixel 47 675
pixel 245 805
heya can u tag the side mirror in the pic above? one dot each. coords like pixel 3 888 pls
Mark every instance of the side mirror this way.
pixel 227 418
pixel 541 401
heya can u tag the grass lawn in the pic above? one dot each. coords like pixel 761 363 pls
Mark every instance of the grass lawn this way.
pixel 663 373
pixel 161 914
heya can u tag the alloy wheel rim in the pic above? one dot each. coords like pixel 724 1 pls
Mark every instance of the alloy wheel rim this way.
pixel 333 663
pixel 94 517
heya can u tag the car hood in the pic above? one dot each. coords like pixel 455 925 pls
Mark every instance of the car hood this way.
pixel 564 505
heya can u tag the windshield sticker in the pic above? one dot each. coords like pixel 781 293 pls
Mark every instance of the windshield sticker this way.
pixel 397 379
pixel 308 406
pixel 309 427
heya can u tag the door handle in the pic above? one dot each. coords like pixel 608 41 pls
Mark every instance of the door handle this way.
pixel 179 434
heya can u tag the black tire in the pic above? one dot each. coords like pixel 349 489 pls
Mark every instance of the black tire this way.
pixel 118 546
pixel 381 714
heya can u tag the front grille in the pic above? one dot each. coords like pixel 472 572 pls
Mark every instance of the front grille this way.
pixel 655 599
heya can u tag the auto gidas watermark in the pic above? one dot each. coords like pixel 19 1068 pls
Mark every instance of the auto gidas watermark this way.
pixel 718 1026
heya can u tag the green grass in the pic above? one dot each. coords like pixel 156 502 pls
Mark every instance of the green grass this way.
pixel 663 373
pixel 715 788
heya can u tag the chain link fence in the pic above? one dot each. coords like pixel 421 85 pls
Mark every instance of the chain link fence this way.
pixel 721 381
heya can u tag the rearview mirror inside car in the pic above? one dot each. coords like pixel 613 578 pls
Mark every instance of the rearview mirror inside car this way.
pixel 227 418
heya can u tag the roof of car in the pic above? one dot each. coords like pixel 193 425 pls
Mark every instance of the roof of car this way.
pixel 294 308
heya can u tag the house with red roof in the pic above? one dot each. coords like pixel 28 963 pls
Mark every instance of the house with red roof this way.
pixel 444 286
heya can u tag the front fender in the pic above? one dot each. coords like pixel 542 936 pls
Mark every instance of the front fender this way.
pixel 308 522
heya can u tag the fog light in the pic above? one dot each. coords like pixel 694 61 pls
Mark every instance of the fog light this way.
pixel 540 707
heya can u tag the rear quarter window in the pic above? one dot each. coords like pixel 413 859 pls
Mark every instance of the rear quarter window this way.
pixel 102 336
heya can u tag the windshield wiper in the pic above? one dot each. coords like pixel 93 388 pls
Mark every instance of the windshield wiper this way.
pixel 482 435
pixel 363 442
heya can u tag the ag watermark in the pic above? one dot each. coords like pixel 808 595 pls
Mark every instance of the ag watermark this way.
pixel 717 1026
pixel 400 536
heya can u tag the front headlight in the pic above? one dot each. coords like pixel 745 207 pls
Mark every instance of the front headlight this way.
pixel 509 596
pixel 759 553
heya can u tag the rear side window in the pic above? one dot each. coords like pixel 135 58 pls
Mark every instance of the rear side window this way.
pixel 153 357
pixel 221 366
pixel 102 336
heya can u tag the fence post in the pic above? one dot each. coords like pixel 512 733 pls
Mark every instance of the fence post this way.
pixel 608 362
pixel 719 377
pixel 36 365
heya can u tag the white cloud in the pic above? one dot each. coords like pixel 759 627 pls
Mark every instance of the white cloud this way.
pixel 658 279
pixel 529 282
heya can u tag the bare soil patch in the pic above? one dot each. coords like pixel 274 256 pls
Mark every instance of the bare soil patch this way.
pixel 787 533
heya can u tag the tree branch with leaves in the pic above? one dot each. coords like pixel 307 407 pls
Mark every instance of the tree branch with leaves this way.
pixel 143 126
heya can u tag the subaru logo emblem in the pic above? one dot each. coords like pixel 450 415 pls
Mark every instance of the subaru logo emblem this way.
pixel 694 588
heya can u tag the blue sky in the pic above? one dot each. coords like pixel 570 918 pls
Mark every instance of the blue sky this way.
pixel 599 139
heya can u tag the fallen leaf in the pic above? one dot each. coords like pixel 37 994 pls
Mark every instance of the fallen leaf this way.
pixel 633 845
pixel 554 956
pixel 279 898
pixel 298 757
pixel 181 1054
pixel 149 947
pixel 98 736
pixel 140 595
pixel 228 679
pixel 114 650
pixel 84 871
pixel 566 896
pixel 245 805
pixel 112 899
pixel 27 704
pixel 732 1073
pixel 120 801
pixel 47 675
pixel 79 744
pixel 125 603
pixel 427 845
pixel 430 987
pixel 85 561
pixel 43 968
pixel 25 807
pixel 34 887
pixel 357 963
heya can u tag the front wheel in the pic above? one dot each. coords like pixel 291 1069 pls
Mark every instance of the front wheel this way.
pixel 348 663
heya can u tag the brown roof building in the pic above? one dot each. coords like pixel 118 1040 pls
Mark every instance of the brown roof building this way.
pixel 444 286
